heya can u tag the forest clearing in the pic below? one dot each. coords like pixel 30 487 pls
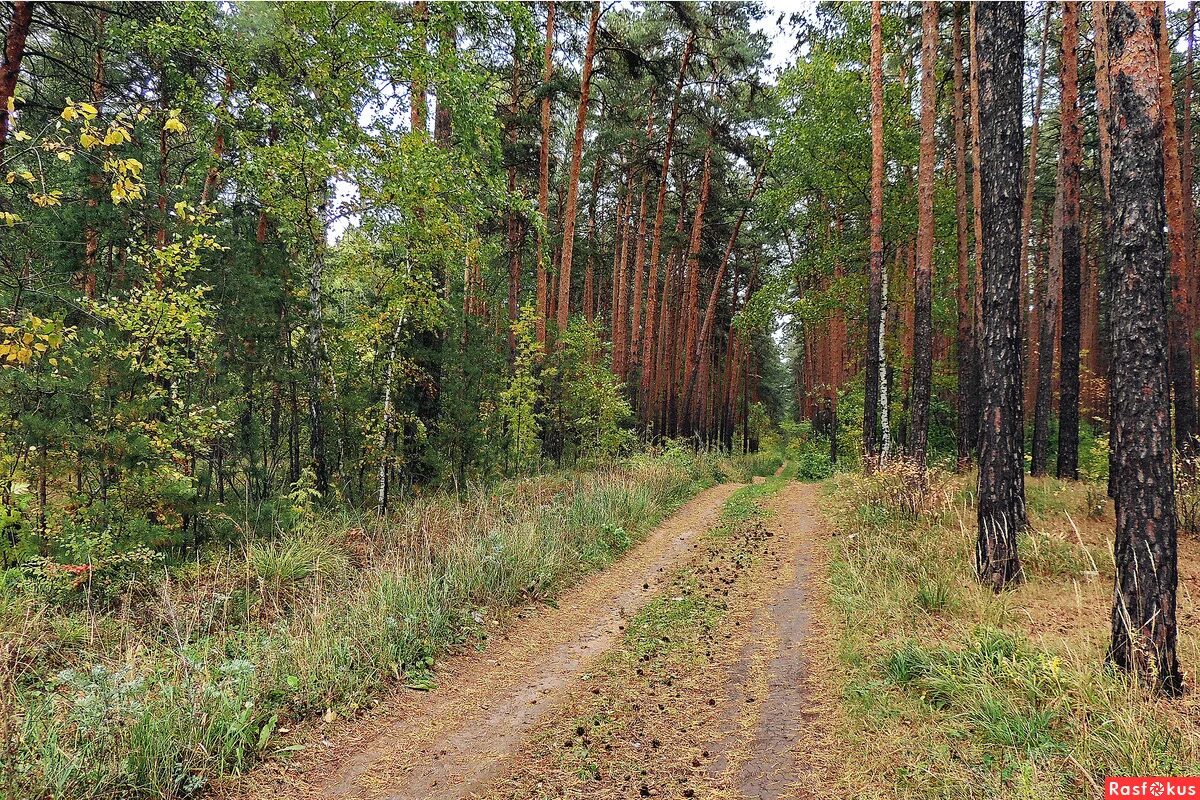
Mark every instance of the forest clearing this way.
pixel 577 399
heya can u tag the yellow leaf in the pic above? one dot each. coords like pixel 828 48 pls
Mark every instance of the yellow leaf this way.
pixel 116 135
pixel 21 136
pixel 174 126
pixel 65 156
pixel 88 140
pixel 89 111
pixel 69 114
pixel 12 104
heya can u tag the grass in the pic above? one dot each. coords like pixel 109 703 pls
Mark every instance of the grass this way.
pixel 199 672
pixel 952 691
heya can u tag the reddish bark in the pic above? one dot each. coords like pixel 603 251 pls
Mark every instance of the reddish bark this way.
pixel 922 330
pixel 976 204
pixel 544 177
pixel 692 298
pixel 568 246
pixel 14 51
pixel 1031 179
pixel 589 277
pixel 702 355
pixel 649 362
pixel 1180 344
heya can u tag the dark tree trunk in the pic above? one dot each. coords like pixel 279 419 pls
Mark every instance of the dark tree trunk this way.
pixel 1143 617
pixel 876 266
pixel 1049 314
pixel 966 358
pixel 1000 38
pixel 1072 143
pixel 922 331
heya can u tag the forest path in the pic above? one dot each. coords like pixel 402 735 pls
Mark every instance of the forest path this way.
pixel 719 688
pixel 453 742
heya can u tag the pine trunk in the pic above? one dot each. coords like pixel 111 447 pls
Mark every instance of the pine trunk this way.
pixel 568 246
pixel 977 218
pixel 968 392
pixel 1180 341
pixel 14 51
pixel 649 361
pixel 1027 207
pixel 1072 166
pixel 1001 499
pixel 1143 617
pixel 543 311
pixel 589 277
pixel 922 330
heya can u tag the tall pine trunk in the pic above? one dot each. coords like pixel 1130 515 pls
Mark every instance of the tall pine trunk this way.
pixel 1180 331
pixel 1104 126
pixel 568 246
pixel 977 215
pixel 968 392
pixel 703 354
pixel 649 382
pixel 1027 207
pixel 1000 31
pixel 1051 294
pixel 922 330
pixel 543 310
pixel 1072 166
pixel 1143 617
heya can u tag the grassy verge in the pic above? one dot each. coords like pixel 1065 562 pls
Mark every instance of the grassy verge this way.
pixel 198 673
pixel 953 692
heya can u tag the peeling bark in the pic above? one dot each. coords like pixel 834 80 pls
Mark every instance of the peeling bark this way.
pixel 1143 617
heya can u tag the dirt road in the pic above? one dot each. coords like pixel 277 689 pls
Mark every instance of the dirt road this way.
pixel 714 702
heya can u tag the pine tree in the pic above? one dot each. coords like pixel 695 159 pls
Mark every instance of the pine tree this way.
pixel 1143 616
pixel 1000 35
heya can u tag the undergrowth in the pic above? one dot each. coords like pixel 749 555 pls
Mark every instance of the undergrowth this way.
pixel 956 692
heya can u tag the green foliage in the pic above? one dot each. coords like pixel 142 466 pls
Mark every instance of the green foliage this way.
pixel 589 416
pixel 516 412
